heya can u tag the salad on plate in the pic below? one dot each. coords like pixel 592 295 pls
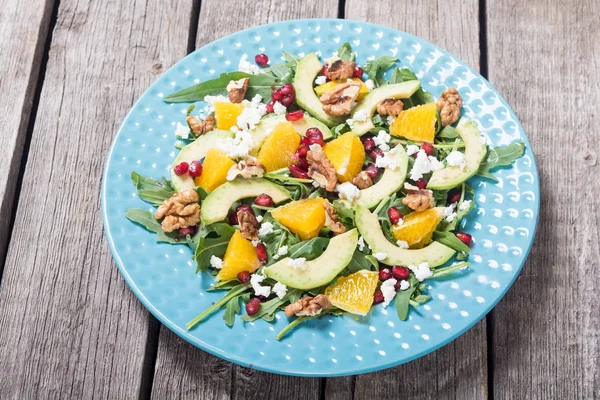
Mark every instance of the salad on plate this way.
pixel 319 187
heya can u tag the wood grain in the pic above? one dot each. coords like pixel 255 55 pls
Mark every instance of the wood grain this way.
pixel 546 341
pixel 23 33
pixel 199 374
pixel 458 370
pixel 70 326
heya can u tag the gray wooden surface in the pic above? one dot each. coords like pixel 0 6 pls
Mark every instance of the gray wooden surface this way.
pixel 69 326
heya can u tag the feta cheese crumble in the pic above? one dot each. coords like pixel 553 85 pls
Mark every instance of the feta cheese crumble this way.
pixel 235 84
pixel 321 79
pixel 247 67
pixel 347 191
pixel 390 119
pixel 386 162
pixel 449 212
pixel 238 146
pixel 182 131
pixel 283 250
pixel 412 149
pixel 259 290
pixel 279 289
pixel 361 243
pixel 382 139
pixel 380 256
pixel 389 291
pixel 369 84
pixel 423 165
pixel 279 108
pixel 359 116
pixel 456 159
pixel 255 242
pixel 465 205
pixel 265 229
pixel 422 271
pixel 404 285
pixel 251 115
pixel 298 263
pixel 259 218
pixel 402 244
pixel 216 262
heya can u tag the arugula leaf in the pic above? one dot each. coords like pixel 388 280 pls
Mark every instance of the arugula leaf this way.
pixel 340 129
pixel 450 240
pixel 403 301
pixel 290 59
pixel 420 96
pixel 345 52
pixel 233 308
pixel 439 272
pixel 500 157
pixel 344 212
pixel 362 261
pixel 213 242
pixel 448 133
pixel 309 249
pixel 378 66
pixel 284 72
pixel 233 293
pixel 292 325
pixel 151 190
pixel 146 219
pixel 268 308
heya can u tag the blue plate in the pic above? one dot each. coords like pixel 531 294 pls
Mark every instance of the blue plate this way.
pixel 162 276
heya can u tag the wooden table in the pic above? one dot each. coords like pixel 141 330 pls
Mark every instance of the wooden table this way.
pixel 70 327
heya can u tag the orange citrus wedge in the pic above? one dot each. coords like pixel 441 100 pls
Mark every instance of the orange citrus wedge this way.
pixel 354 293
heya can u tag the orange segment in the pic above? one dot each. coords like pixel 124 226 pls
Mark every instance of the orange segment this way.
pixel 347 155
pixel 354 293
pixel 319 90
pixel 214 170
pixel 416 123
pixel 418 227
pixel 303 217
pixel 277 151
pixel 226 114
pixel 239 256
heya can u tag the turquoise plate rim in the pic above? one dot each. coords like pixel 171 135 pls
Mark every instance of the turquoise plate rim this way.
pixel 350 371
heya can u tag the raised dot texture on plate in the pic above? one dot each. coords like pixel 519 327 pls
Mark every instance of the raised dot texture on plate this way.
pixel 503 226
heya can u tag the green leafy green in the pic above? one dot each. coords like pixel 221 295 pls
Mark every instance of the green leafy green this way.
pixel 378 66
pixel 213 241
pixel 420 96
pixel 345 52
pixel 403 301
pixel 151 190
pixel 439 272
pixel 292 325
pixel 362 261
pixel 290 59
pixel 233 293
pixel 448 133
pixel 309 249
pixel 233 308
pixel 146 219
pixel 449 239
pixel 500 157
pixel 284 72
pixel 268 308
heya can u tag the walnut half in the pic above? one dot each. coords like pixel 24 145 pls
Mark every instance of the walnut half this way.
pixel 391 107
pixel 200 127
pixel 180 211
pixel 332 221
pixel 308 306
pixel 449 105
pixel 418 199
pixel 338 101
pixel 236 90
pixel 248 224
pixel 321 169
pixel 250 168
pixel 341 70
pixel 362 180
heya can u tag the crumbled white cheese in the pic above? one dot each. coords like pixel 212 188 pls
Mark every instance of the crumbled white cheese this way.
pixel 182 131
pixel 315 148
pixel 422 271
pixel 390 119
pixel 456 159
pixel 382 139
pixel 279 108
pixel 400 222
pixel 235 84
pixel 402 244
pixel 465 205
pixel 251 115
pixel 361 243
pixel 321 79
pixel 423 165
pixel 247 67
pixel 404 285
pixel 412 149
pixel 216 262
pixel 359 116
pixel 449 213
pixel 298 263
pixel 347 191
pixel 451 217
pixel 259 218
pixel 279 289
pixel 211 100
pixel 386 162
pixel 265 229
pixel 389 291
pixel 255 242
pixel 259 290
pixel 238 146
pixel 369 84
pixel 282 251
pixel 380 256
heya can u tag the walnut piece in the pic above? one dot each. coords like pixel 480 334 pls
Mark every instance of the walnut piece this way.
pixel 236 90
pixel 250 168
pixel 338 101
pixel 332 221
pixel 362 180
pixel 341 70
pixel 418 199
pixel 391 107
pixel 180 211
pixel 248 224
pixel 449 105
pixel 308 306
pixel 321 169
pixel 201 127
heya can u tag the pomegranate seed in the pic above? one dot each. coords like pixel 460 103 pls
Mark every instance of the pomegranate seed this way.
pixel 400 273
pixel 190 230
pixel 358 72
pixel 372 171
pixel 253 306
pixel 276 95
pixel 376 152
pixel 385 274
pixel 369 144
pixel 245 207
pixel 378 297
pixel 304 140
pixel 261 59
pixel 315 136
pixel 261 252
pixel 297 172
pixel 270 106
pixel 394 215
pixel 264 200
pixel 428 148
pixel 294 115
pixel 261 298
pixel 181 168
pixel 303 151
pixel 287 89
pixel 465 238
pixel 303 164
pixel 453 197
pixel 195 169
pixel 243 276
pixel 288 100
pixel 325 71
pixel 421 183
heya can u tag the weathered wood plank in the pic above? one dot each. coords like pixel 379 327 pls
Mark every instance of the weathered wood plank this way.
pixel 545 333
pixel 23 33
pixel 70 326
pixel 458 370
pixel 199 374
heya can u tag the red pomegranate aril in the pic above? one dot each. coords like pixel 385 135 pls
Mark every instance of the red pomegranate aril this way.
pixel 243 276
pixel 304 140
pixel 261 253
pixel 325 71
pixel 245 207
pixel 195 168
pixel 303 164
pixel 385 274
pixel 287 89
pixel 271 106
pixel 277 95
pixel 253 306
pixel 428 148
pixel 261 59
pixel 190 230
pixel 453 197
pixel 400 273
pixel 394 215
pixel 421 183
pixel 373 154
pixel 358 72
pixel 378 297
pixel 181 168
pixel 303 151
pixel 288 100
pixel 294 115
pixel 369 144
pixel 372 171
pixel 465 238
pixel 315 136
pixel 297 172
pixel 264 200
